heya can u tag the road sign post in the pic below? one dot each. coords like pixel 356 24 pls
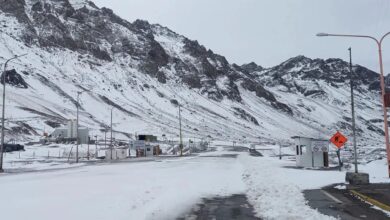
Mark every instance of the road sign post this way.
pixel 339 141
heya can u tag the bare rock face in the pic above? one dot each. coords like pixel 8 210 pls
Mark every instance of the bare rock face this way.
pixel 14 79
pixel 302 74
pixel 104 35
pixel 100 38
pixel 251 67
pixel 246 116
pixel 16 8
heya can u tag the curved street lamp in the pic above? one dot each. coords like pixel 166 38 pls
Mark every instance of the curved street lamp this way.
pixel 379 44
pixel 111 143
pixel 3 114
pixel 77 123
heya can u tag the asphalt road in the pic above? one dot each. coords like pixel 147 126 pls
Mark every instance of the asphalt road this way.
pixel 341 204
pixel 223 208
pixel 377 191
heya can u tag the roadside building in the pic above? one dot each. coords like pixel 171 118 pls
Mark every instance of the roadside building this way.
pixel 311 152
pixel 117 154
pixel 59 133
pixel 69 133
pixel 145 148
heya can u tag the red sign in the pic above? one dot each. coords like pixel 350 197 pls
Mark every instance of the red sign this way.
pixel 339 140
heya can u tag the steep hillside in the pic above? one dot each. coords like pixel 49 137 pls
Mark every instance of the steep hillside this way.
pixel 319 92
pixel 144 71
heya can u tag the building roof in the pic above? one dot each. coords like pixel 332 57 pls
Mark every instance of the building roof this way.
pixel 313 139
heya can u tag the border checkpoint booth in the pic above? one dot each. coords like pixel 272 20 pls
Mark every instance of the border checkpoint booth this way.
pixel 143 148
pixel 146 146
pixel 311 152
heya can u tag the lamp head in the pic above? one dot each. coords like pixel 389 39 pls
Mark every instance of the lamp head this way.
pixel 322 35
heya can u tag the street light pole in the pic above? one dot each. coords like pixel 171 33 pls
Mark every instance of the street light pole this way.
pixel 181 137
pixel 111 135
pixel 3 113
pixel 382 82
pixel 96 143
pixel 77 124
pixel 105 138
pixel 353 109
pixel 77 127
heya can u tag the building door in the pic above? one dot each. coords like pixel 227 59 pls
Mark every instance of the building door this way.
pixel 326 159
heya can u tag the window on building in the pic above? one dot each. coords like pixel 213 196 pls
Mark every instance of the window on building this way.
pixel 303 149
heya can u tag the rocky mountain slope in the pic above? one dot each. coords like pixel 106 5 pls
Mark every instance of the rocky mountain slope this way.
pixel 144 71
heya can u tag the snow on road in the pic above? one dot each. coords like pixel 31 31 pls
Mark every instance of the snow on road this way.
pixel 276 191
pixel 151 190
pixel 163 189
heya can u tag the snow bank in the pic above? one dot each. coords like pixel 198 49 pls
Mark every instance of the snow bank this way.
pixel 377 170
pixel 276 192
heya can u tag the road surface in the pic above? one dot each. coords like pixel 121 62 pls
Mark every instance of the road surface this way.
pixel 342 204
pixel 223 184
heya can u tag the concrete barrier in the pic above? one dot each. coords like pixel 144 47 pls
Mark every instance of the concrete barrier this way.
pixel 357 178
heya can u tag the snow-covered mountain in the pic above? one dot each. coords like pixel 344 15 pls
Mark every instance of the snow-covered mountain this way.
pixel 144 71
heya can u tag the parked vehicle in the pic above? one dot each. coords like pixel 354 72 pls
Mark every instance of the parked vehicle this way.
pixel 13 147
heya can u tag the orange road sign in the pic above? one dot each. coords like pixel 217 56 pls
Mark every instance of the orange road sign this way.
pixel 339 140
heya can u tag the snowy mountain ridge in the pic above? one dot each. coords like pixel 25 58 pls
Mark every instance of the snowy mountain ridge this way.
pixel 144 71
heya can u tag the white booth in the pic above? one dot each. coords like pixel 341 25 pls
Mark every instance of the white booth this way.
pixel 311 152
pixel 117 154
pixel 143 148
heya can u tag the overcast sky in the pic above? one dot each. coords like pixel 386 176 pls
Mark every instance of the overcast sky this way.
pixel 270 31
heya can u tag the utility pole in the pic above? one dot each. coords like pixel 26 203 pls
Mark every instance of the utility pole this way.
pixel 181 137
pixel 77 127
pixel 3 113
pixel 89 139
pixel 353 109
pixel 77 124
pixel 280 151
pixel 105 138
pixel 96 151
pixel 111 144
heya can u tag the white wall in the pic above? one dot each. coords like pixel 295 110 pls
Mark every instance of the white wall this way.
pixel 117 154
pixel 308 158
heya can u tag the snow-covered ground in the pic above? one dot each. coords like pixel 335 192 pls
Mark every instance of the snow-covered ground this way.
pixel 167 188
pixel 45 157
pixel 58 156
pixel 152 190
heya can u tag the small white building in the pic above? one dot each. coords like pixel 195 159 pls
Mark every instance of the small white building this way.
pixel 117 154
pixel 311 152
pixel 143 148
pixel 59 133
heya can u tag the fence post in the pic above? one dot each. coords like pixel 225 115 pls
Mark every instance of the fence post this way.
pixel 70 152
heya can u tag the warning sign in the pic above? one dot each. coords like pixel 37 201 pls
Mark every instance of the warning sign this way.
pixel 339 140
